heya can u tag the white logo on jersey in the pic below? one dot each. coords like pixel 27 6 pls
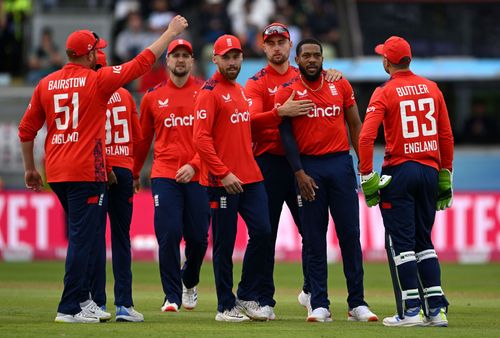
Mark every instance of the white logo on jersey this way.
pixel 304 93
pixel 223 202
pixel 163 104
pixel 117 69
pixel 201 114
pixel 370 109
pixel 299 201
pixel 324 112
pixel 333 89
pixel 227 98
pixel 238 117
pixel 178 121
pixel 272 91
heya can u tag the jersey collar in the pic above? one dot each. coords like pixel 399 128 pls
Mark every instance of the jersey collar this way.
pixel 188 83
pixel 402 74
pixel 220 78
pixel 270 70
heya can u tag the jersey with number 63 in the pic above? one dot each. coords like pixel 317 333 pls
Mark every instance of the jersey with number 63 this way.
pixel 72 102
pixel 123 130
pixel 416 124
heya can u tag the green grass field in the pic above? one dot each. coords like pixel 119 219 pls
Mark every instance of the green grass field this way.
pixel 29 293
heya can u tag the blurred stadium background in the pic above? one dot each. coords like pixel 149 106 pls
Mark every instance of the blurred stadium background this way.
pixel 454 42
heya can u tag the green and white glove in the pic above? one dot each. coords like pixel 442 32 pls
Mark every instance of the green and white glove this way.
pixel 371 184
pixel 445 189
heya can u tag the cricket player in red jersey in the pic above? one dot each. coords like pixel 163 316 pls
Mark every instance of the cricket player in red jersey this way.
pixel 181 203
pixel 418 157
pixel 325 177
pixel 122 133
pixel 223 139
pixel 72 102
pixel 279 179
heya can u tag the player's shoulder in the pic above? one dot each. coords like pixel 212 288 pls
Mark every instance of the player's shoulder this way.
pixel 258 76
pixel 209 85
pixel 291 82
pixel 197 82
pixel 426 81
pixel 155 88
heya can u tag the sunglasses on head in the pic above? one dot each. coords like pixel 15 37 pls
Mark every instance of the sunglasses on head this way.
pixel 95 43
pixel 275 30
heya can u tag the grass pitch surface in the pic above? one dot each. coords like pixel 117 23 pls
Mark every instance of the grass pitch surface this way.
pixel 29 294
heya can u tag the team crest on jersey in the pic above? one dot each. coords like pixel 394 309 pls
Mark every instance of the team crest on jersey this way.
pixel 227 98
pixel 272 91
pixel 304 93
pixel 163 104
pixel 333 89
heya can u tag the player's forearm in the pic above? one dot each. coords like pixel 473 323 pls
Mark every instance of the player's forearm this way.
pixel 290 145
pixel 174 28
pixel 141 149
pixel 206 150
pixel 28 156
pixel 265 120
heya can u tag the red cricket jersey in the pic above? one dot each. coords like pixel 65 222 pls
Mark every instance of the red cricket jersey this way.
pixel 122 130
pixel 323 130
pixel 261 90
pixel 222 133
pixel 72 101
pixel 167 113
pixel 416 124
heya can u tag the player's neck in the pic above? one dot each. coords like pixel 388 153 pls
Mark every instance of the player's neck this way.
pixel 281 68
pixel 179 81
pixel 313 86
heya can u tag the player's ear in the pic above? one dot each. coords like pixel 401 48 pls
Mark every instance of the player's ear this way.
pixel 214 59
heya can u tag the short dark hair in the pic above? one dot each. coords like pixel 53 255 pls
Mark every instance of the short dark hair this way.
pixel 404 63
pixel 308 41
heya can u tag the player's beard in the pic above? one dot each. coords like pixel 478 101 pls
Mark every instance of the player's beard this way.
pixel 230 76
pixel 278 60
pixel 311 77
pixel 178 73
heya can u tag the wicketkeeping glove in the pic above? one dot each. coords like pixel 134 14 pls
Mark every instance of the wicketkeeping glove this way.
pixel 445 190
pixel 371 184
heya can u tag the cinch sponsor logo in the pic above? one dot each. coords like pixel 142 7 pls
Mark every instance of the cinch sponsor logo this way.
pixel 370 109
pixel 324 112
pixel 163 104
pixel 238 117
pixel 178 121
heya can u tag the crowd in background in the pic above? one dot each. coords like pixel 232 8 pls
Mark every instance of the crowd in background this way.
pixel 137 23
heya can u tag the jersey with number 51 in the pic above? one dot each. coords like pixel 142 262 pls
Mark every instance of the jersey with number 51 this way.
pixel 72 101
pixel 416 124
